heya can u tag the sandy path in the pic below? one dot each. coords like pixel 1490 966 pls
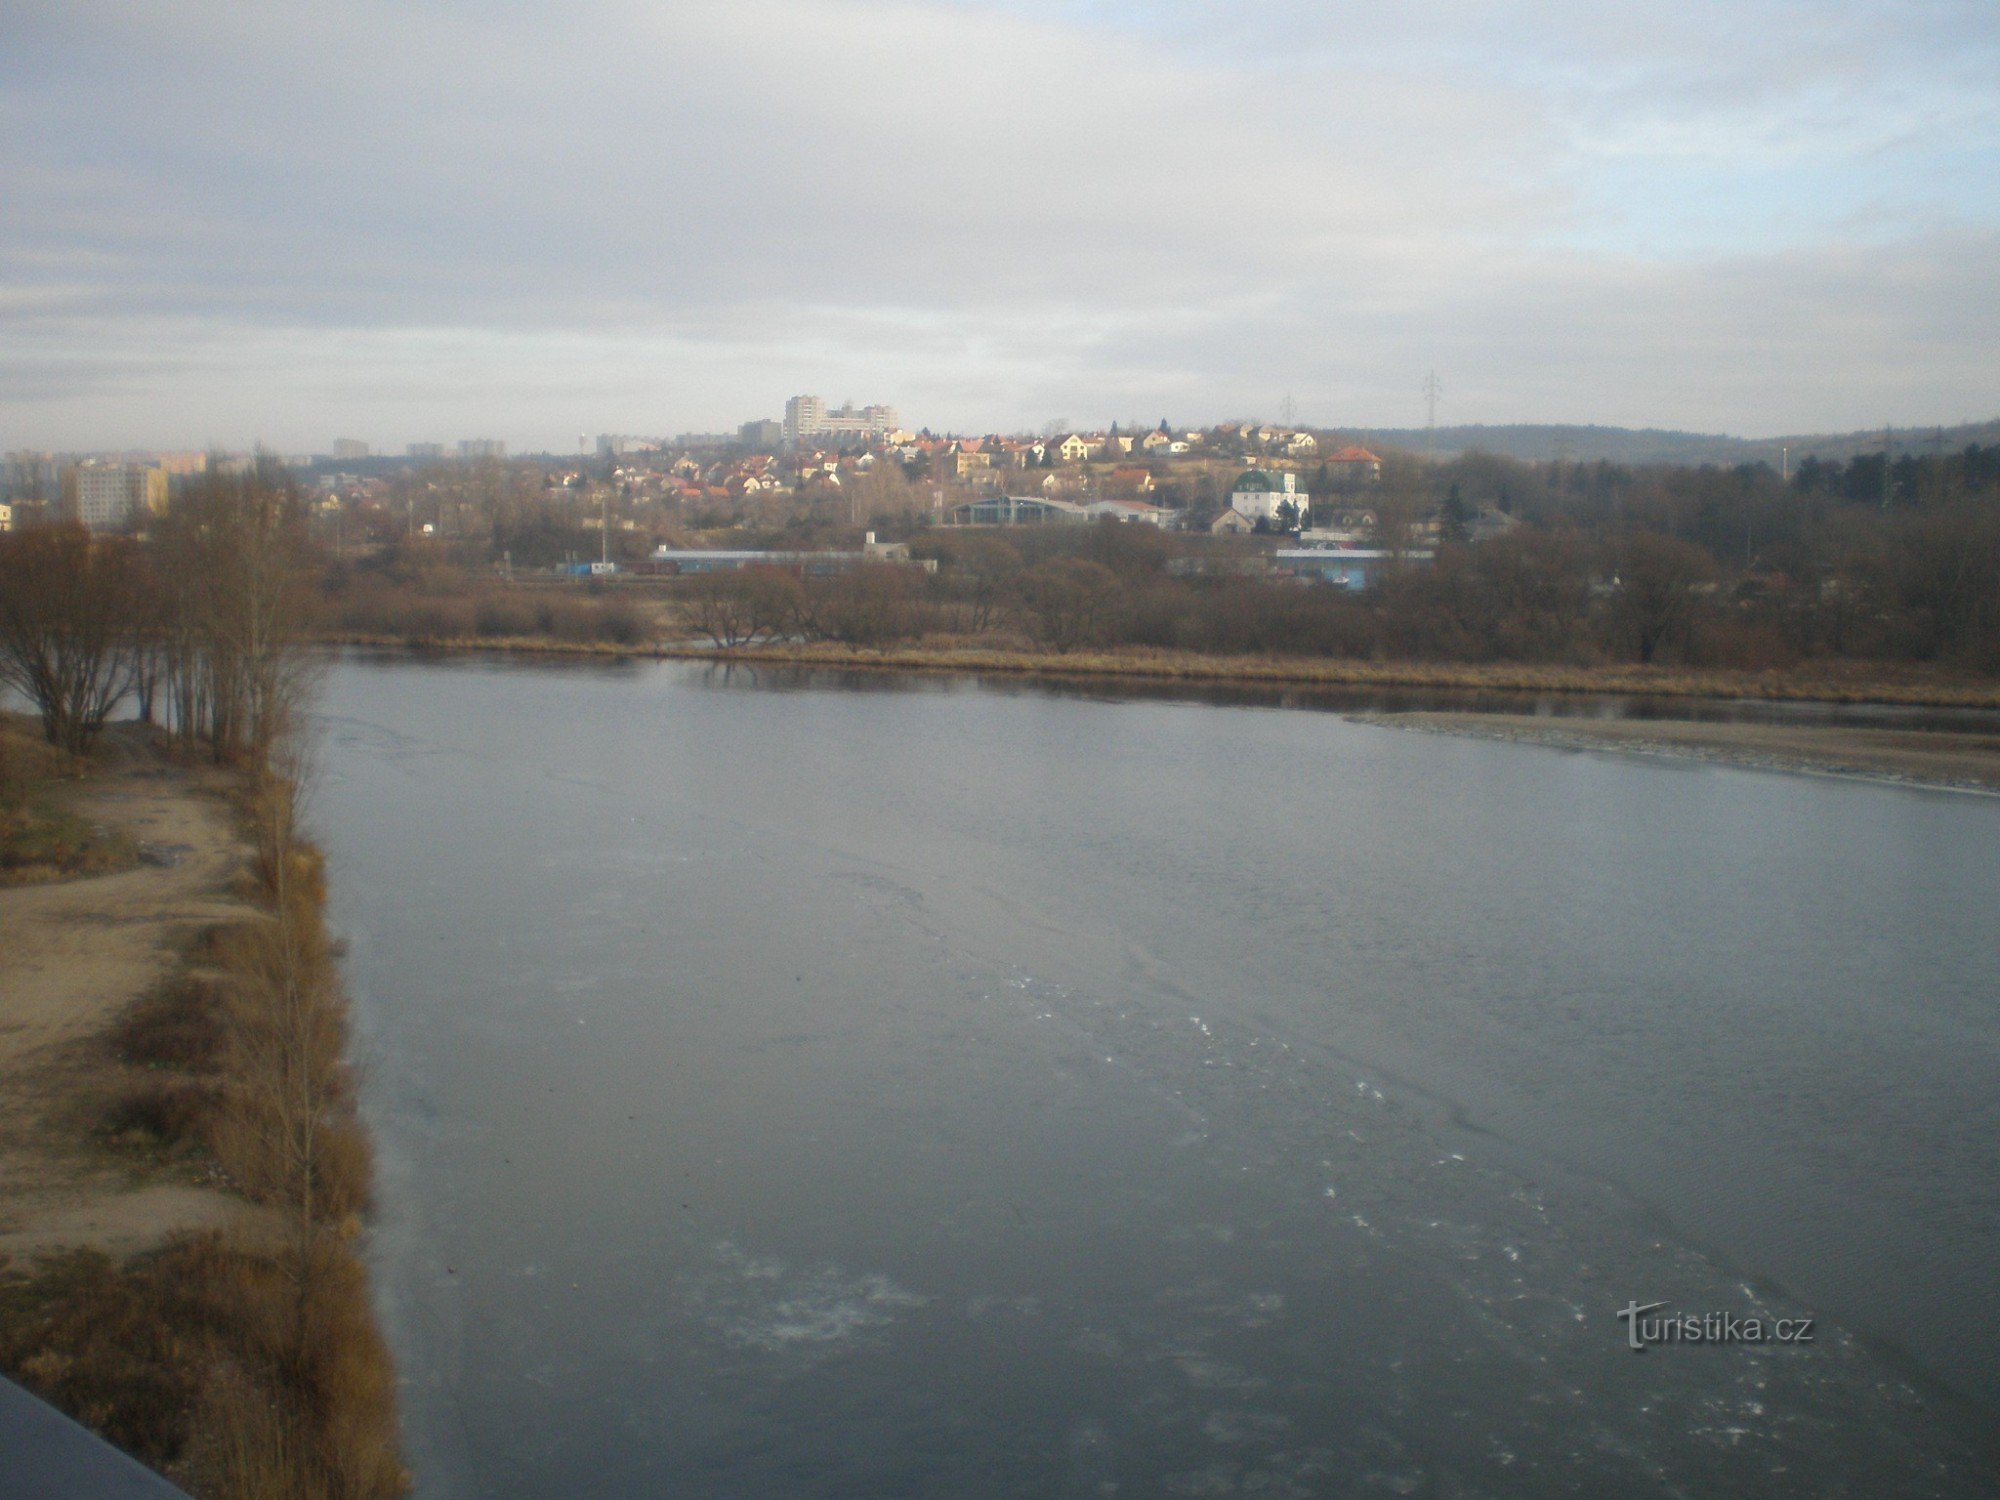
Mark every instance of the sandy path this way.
pixel 1919 756
pixel 72 957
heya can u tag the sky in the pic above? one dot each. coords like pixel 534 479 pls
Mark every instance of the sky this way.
pixel 424 220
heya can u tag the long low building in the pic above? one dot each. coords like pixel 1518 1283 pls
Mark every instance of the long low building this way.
pixel 1016 510
pixel 1343 567
pixel 696 560
pixel 1040 510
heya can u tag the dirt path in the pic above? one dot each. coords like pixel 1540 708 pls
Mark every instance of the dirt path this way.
pixel 1931 758
pixel 73 956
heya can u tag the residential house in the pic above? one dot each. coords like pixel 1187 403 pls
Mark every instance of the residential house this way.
pixel 1490 522
pixel 1129 510
pixel 1261 493
pixel 1352 467
pixel 1130 481
pixel 967 457
pixel 1346 526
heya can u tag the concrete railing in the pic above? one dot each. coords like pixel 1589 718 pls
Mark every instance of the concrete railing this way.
pixel 46 1456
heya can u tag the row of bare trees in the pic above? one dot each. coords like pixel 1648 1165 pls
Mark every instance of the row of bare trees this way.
pixel 200 623
pixel 871 606
pixel 1919 588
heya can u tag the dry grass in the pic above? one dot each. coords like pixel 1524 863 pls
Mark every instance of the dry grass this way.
pixel 520 644
pixel 451 608
pixel 41 839
pixel 242 1373
pixel 172 1043
pixel 180 1025
pixel 246 1367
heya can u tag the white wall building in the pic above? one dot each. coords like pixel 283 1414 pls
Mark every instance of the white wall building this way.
pixel 1259 493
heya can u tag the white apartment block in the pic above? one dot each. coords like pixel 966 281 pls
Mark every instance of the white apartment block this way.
pixel 808 417
pixel 107 496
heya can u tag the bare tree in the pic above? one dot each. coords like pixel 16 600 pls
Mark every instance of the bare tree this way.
pixel 232 562
pixel 1071 601
pixel 69 623
pixel 1657 588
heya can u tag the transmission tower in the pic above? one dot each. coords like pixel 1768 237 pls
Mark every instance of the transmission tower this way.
pixel 1432 390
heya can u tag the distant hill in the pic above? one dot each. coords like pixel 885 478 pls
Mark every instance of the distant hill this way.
pixel 1539 443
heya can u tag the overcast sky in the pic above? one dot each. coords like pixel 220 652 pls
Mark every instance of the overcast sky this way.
pixel 434 219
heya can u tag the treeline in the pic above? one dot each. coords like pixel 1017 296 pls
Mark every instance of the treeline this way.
pixel 1740 567
pixel 1746 515
pixel 1923 587
pixel 420 592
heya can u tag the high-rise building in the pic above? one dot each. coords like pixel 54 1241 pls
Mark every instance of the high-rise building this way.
pixel 425 452
pixel 107 496
pixel 807 417
pixel 349 448
pixel 618 444
pixel 470 448
pixel 761 434
pixel 31 477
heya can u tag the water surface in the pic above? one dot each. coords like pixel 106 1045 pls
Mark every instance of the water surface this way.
pixel 887 1086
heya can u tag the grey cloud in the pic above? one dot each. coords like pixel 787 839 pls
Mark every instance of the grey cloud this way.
pixel 355 208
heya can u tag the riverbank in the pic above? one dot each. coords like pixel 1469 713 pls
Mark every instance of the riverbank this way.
pixel 1967 762
pixel 161 1277
pixel 79 953
pixel 1841 682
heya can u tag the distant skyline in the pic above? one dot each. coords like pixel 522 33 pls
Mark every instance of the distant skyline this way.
pixel 226 223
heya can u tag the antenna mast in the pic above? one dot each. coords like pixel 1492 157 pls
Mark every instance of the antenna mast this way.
pixel 1432 390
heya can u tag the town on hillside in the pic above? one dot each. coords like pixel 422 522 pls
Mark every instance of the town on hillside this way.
pixel 858 467
pixel 1240 536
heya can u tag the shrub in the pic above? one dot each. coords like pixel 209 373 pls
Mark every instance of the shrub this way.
pixel 163 1112
pixel 502 617
pixel 176 1026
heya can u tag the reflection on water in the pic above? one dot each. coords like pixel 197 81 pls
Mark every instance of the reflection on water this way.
pixel 825 1084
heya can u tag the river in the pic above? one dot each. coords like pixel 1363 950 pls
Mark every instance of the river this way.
pixel 794 1084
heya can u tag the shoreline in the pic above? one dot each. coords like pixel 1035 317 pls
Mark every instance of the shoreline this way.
pixel 185 1173
pixel 1841 688
pixel 1937 760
